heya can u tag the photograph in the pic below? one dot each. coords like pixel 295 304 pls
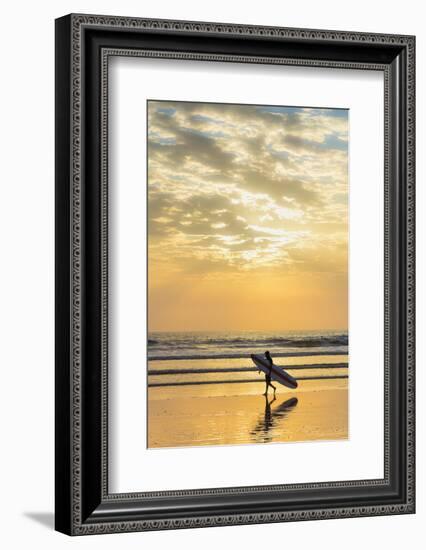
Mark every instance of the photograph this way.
pixel 248 239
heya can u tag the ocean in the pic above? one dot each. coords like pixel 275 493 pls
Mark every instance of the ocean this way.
pixel 234 345
pixel 199 358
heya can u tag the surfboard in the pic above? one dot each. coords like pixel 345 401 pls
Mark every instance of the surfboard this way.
pixel 277 373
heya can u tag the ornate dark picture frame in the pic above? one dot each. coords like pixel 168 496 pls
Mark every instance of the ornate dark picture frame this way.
pixel 84 44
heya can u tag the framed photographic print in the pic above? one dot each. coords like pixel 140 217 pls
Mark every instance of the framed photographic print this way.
pixel 234 274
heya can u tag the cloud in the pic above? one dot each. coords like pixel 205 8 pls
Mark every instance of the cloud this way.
pixel 242 187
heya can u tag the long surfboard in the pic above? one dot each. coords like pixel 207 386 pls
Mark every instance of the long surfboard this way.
pixel 277 373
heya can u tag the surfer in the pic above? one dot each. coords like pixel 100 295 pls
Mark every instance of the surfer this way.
pixel 269 374
pixel 264 363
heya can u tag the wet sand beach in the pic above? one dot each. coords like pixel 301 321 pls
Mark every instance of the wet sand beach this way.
pixel 238 413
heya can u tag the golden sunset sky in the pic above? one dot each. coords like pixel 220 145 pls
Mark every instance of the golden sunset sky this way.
pixel 247 217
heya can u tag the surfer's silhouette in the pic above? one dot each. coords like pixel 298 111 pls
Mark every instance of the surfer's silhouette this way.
pixel 268 375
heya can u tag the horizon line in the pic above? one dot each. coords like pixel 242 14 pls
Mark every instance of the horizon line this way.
pixel 255 330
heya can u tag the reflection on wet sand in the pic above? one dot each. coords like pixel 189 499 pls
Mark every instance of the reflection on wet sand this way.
pixel 263 432
pixel 202 415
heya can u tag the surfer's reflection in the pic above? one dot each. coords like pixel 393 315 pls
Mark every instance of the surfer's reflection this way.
pixel 262 431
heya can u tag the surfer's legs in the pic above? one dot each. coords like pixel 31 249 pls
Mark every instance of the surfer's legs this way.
pixel 266 387
pixel 267 384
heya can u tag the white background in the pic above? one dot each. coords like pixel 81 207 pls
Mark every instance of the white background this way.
pixel 360 457
pixel 26 300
